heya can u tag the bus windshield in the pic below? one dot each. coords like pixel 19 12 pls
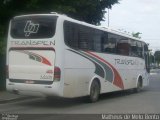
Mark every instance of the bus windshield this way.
pixel 33 27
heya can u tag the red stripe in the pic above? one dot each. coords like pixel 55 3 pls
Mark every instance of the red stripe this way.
pixel 117 78
pixel 45 61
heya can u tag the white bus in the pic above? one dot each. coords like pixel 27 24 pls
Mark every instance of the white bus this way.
pixel 55 55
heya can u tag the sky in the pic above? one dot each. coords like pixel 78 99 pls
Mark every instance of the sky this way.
pixel 137 16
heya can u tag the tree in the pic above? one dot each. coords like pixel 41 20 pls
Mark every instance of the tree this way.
pixel 136 35
pixel 157 57
pixel 91 11
pixel 152 58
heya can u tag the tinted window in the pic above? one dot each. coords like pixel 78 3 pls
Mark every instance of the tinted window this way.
pixel 32 27
pixel 109 44
pixel 97 40
pixel 71 34
pixel 123 46
pixel 86 38
pixel 139 49
pixel 83 37
pixel 136 48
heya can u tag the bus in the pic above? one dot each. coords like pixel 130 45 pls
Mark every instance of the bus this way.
pixel 55 55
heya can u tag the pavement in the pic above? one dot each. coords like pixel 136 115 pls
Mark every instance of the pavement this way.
pixel 6 97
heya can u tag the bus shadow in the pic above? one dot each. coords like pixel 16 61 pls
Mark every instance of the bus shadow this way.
pixel 119 94
pixel 55 102
pixel 67 103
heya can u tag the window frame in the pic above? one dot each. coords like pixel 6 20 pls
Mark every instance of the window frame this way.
pixel 103 39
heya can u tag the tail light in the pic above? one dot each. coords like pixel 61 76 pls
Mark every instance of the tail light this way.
pixel 57 74
pixel 7 72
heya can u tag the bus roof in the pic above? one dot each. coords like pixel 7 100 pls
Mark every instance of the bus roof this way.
pixel 65 17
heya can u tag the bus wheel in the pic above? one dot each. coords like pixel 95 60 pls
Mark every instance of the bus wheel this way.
pixel 139 86
pixel 94 91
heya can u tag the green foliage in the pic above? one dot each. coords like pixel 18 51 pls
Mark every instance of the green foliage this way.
pixel 91 11
pixel 151 58
pixel 2 63
pixel 2 47
pixel 136 35
pixel 157 56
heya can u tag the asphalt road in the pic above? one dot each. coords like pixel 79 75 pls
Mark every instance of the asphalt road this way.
pixel 147 101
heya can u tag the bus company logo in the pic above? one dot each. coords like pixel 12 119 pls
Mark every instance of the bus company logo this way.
pixel 30 28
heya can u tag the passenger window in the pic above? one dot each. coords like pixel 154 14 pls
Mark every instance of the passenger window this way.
pixel 136 49
pixel 83 38
pixel 97 40
pixel 123 47
pixel 71 34
pixel 109 46
pixel 139 49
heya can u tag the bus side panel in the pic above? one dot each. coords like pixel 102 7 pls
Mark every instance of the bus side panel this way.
pixel 78 73
pixel 129 69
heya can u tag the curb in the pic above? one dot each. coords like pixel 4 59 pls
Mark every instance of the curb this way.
pixel 14 99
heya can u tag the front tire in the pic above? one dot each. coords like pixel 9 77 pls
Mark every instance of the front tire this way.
pixel 94 91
